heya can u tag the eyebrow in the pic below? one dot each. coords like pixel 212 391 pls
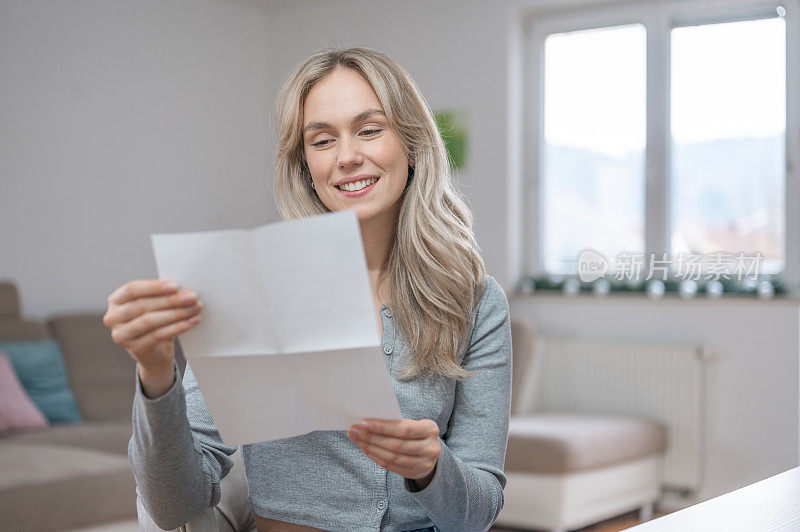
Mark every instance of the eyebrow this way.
pixel 360 117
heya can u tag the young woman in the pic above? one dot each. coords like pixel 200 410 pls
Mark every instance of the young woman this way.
pixel 354 133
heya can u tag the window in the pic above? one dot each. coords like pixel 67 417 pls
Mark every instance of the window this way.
pixel 664 128
pixel 728 110
pixel 594 141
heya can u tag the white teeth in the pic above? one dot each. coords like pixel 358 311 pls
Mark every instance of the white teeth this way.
pixel 357 185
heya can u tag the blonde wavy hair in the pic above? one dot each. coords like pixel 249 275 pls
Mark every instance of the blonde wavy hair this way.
pixel 434 272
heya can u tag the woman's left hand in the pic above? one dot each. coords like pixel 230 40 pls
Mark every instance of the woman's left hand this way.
pixel 408 447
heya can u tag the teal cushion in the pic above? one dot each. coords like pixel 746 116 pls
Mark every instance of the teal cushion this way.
pixel 40 367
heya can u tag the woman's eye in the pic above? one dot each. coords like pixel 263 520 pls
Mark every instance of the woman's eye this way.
pixel 325 142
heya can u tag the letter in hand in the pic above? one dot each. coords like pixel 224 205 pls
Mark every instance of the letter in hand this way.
pixel 408 447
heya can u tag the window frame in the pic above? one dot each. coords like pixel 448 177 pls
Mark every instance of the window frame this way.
pixel 658 18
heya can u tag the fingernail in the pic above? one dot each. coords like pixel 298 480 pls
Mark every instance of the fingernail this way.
pixel 169 285
pixel 188 296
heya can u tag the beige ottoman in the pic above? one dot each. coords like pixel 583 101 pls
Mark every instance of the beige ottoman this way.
pixel 569 470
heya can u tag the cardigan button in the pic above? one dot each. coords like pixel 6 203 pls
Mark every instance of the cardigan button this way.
pixel 387 349
pixel 387 312
pixel 382 504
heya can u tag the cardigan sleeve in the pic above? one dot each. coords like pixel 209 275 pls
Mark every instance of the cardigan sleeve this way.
pixel 178 464
pixel 466 491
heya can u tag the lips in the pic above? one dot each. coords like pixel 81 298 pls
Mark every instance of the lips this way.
pixel 355 178
pixel 359 187
pixel 354 186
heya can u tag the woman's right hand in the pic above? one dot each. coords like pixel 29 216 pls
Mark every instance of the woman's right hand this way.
pixel 144 317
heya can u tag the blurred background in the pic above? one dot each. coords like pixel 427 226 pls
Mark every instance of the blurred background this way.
pixel 623 127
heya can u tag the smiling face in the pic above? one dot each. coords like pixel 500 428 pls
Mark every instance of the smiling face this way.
pixel 355 159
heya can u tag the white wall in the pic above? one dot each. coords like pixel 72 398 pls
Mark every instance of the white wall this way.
pixel 119 119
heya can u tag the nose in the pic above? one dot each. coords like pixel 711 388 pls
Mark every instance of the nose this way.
pixel 349 153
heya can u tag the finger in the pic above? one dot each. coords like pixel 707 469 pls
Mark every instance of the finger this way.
pixel 416 447
pixel 141 288
pixel 394 459
pixel 402 428
pixel 407 472
pixel 378 461
pixel 151 321
pixel 132 309
pixel 164 333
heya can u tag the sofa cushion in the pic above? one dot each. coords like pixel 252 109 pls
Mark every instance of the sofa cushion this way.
pixel 523 341
pixel 23 330
pixel 39 365
pixel 107 436
pixel 49 487
pixel 101 372
pixel 17 411
pixel 558 443
pixel 9 302
pixel 12 326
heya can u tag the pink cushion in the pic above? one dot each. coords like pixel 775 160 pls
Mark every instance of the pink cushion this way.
pixel 17 411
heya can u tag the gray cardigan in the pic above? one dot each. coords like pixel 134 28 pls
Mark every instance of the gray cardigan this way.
pixel 322 479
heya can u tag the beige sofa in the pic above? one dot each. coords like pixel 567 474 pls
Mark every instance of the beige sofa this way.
pixel 71 476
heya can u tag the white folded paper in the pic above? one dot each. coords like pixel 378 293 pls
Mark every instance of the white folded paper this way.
pixel 288 342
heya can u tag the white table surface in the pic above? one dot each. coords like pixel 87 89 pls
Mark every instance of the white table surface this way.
pixel 772 505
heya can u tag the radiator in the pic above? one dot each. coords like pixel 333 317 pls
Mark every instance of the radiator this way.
pixel 660 381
